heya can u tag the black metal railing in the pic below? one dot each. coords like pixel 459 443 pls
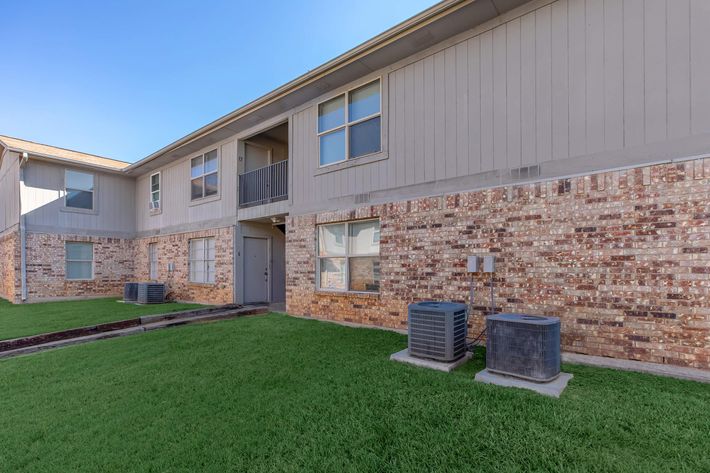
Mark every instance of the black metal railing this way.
pixel 264 185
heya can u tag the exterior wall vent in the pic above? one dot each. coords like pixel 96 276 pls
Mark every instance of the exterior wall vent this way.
pixel 525 346
pixel 151 293
pixel 437 330
pixel 525 172
pixel 362 198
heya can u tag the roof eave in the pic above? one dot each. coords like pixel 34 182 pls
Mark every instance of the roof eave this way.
pixel 47 157
pixel 422 19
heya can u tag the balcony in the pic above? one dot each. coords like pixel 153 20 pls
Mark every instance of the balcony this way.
pixel 264 185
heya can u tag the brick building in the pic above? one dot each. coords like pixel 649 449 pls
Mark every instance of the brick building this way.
pixel 567 138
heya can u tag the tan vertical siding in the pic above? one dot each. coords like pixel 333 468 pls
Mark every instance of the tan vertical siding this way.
pixel 9 191
pixel 177 209
pixel 569 79
pixel 43 201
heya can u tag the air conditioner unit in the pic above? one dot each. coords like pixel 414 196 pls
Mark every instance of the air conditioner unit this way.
pixel 154 205
pixel 151 293
pixel 437 330
pixel 130 292
pixel 525 346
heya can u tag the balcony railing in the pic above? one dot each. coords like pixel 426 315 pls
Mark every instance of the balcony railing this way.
pixel 264 185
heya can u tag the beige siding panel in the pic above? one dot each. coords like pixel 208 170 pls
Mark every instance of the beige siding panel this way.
pixel 177 208
pixel 9 191
pixel 543 84
pixel 570 79
pixel 450 123
pixel 429 120
pixel 500 104
pixel 560 80
pixel 487 102
pixel 594 135
pixel 528 90
pixel 43 201
pixel 409 124
pixel 700 65
pixel 634 101
pixel 577 78
pixel 461 101
pixel 678 57
pixel 400 136
pixel 474 105
pixel 439 115
pixel 420 120
pixel 613 75
pixel 512 73
pixel 655 70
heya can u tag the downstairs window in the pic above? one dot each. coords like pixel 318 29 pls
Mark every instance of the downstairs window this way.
pixel 349 256
pixel 79 259
pixel 202 260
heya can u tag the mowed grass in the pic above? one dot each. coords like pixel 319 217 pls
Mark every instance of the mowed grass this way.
pixel 20 320
pixel 274 393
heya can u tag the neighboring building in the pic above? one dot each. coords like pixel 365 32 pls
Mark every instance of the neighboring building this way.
pixel 566 137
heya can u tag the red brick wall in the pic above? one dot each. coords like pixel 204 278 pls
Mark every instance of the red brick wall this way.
pixel 46 268
pixel 174 248
pixel 10 265
pixel 621 257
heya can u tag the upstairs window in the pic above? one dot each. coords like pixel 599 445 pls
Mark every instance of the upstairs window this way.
pixel 79 190
pixel 349 125
pixel 204 174
pixel 155 191
pixel 349 256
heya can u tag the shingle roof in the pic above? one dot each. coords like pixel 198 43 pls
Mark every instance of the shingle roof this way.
pixel 47 151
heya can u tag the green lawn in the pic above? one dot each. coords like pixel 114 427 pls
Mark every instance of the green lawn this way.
pixel 275 393
pixel 30 319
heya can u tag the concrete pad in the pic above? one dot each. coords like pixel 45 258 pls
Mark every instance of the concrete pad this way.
pixel 404 357
pixel 672 371
pixel 552 388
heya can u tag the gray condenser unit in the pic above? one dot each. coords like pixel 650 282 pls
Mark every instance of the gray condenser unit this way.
pixel 151 293
pixel 525 346
pixel 130 292
pixel 437 330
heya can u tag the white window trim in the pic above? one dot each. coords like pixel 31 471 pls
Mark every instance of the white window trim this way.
pixel 347 257
pixel 206 198
pixel 347 124
pixel 205 260
pixel 159 191
pixel 66 262
pixel 94 193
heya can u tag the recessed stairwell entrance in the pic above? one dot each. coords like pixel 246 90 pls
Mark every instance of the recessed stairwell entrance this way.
pixel 260 262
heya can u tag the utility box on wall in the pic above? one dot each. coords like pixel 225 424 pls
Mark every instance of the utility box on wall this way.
pixel 489 264
pixel 472 264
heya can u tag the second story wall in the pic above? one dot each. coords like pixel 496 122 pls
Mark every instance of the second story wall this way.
pixel 571 85
pixel 178 212
pixel 9 191
pixel 43 202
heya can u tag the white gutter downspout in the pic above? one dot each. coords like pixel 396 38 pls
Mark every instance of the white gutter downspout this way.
pixel 23 233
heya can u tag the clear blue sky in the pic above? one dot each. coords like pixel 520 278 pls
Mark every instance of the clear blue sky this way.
pixel 125 78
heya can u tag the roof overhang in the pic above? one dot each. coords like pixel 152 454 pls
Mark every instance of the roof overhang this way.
pixel 69 162
pixel 418 33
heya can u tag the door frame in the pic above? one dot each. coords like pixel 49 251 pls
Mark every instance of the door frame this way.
pixel 268 239
pixel 269 150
